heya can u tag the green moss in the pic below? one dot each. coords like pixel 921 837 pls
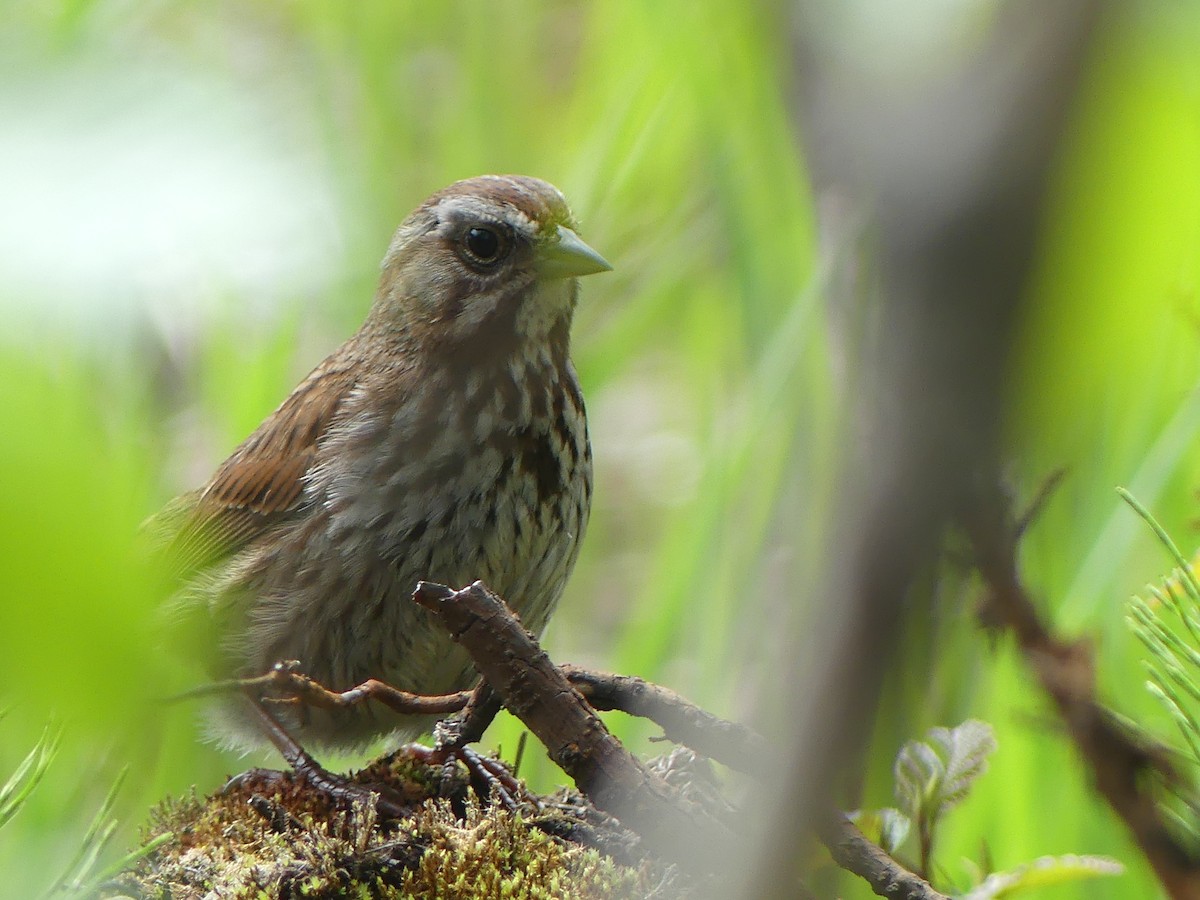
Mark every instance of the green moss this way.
pixel 495 853
pixel 277 838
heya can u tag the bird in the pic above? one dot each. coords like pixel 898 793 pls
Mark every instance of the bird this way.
pixel 446 440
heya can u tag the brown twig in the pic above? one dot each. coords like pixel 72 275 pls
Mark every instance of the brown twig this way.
pixel 852 851
pixel 535 691
pixel 587 753
pixel 681 720
pixel 479 713
pixel 551 701
pixel 1119 764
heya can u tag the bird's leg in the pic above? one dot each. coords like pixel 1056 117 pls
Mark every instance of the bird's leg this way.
pixel 337 787
pixel 475 711
pixel 286 679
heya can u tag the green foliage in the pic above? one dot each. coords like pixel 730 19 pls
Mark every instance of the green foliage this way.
pixel 16 790
pixel 196 200
pixel 1167 623
pixel 85 874
pixel 934 776
pixel 95 839
pixel 1175 663
pixel 1044 872
pixel 82 877
pixel 887 827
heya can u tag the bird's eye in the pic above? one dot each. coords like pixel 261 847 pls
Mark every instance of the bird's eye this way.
pixel 484 245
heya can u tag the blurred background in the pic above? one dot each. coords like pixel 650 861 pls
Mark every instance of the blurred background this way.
pixel 194 199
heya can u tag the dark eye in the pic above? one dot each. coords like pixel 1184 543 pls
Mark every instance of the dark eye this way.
pixel 483 244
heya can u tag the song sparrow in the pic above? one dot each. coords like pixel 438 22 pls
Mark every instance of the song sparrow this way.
pixel 445 441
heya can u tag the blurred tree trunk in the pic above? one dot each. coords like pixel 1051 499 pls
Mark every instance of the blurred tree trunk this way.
pixel 950 176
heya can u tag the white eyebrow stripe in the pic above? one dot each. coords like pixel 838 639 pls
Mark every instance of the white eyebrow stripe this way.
pixel 459 209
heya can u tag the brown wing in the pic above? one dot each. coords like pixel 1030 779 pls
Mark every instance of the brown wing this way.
pixel 262 483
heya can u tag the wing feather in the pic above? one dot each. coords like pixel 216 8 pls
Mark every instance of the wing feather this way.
pixel 262 483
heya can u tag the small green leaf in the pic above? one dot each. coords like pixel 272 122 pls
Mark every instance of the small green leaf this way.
pixel 918 771
pixel 933 777
pixel 887 827
pixel 1048 870
pixel 894 828
pixel 966 749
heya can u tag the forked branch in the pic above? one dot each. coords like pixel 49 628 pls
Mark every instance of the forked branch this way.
pixel 558 705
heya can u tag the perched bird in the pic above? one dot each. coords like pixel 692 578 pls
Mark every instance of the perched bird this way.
pixel 445 441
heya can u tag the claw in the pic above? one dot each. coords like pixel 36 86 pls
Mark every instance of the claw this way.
pixel 490 778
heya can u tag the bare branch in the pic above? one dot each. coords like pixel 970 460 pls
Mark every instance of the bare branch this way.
pixel 556 703
pixel 853 852
pixel 535 691
pixel 681 720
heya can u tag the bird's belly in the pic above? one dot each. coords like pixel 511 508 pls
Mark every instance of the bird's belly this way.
pixel 347 613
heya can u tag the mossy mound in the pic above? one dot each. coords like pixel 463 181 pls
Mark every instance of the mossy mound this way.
pixel 273 836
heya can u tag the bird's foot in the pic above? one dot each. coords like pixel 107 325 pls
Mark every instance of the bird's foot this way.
pixel 490 778
pixel 308 781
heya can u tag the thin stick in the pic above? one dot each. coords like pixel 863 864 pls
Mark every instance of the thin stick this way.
pixel 681 720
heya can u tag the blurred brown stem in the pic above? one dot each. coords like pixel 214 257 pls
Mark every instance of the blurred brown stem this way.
pixel 950 173
pixel 1118 763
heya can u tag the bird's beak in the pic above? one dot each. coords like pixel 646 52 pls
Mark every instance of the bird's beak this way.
pixel 567 256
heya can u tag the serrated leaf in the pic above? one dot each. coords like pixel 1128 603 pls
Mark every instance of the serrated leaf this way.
pixel 1042 872
pixel 933 777
pixel 967 749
